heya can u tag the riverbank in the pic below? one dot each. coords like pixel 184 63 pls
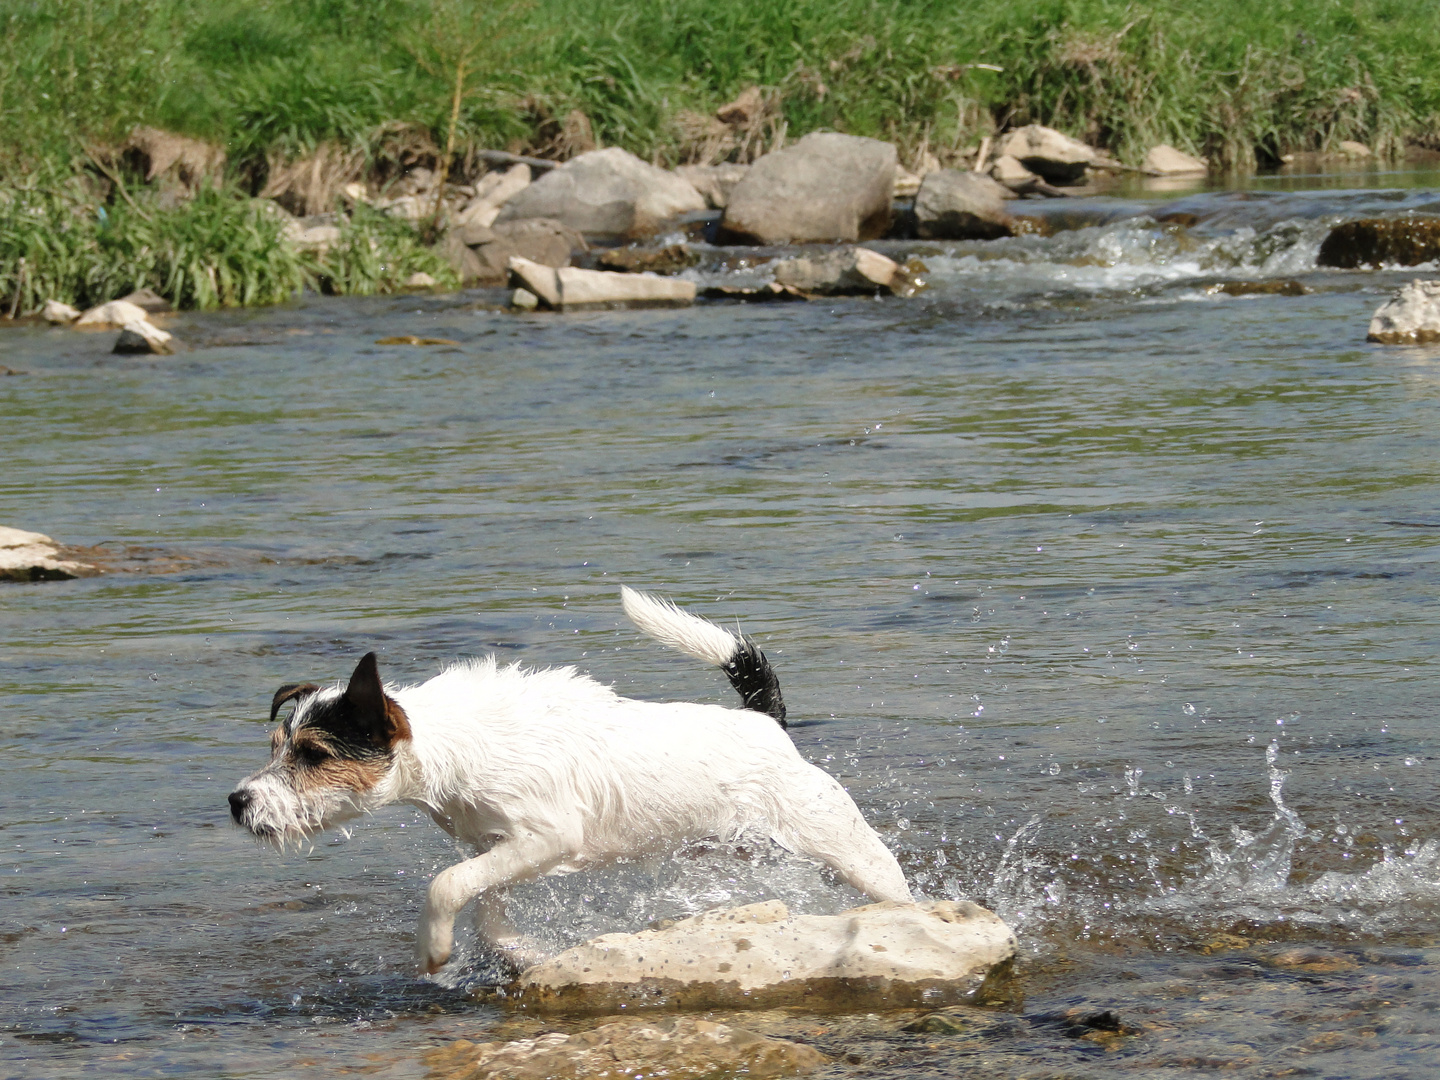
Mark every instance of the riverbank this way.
pixel 272 82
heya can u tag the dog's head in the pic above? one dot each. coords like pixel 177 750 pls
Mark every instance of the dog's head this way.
pixel 328 762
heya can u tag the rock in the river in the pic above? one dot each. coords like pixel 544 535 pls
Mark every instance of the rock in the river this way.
pixel 140 337
pixel 1410 317
pixel 1349 148
pixel 955 205
pixel 638 260
pixel 58 313
pixel 28 556
pixel 1374 242
pixel 1008 170
pixel 1164 160
pixel 570 286
pixel 826 188
pixel 462 259
pixel 846 271
pixel 112 315
pixel 889 954
pixel 1056 157
pixel 713 182
pixel 676 1046
pixel 494 191
pixel 606 194
pixel 539 240
pixel 420 280
pixel 151 301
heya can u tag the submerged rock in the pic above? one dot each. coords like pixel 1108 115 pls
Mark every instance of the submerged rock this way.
pixel 666 260
pixel 953 205
pixel 1376 242
pixel 1283 287
pixel 140 337
pixel 847 271
pixel 680 1047
pixel 826 188
pixel 1056 157
pixel 112 316
pixel 1410 317
pixel 30 556
pixel 881 955
pixel 1165 160
pixel 606 194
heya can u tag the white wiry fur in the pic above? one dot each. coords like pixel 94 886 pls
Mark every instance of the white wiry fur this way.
pixel 670 625
pixel 549 772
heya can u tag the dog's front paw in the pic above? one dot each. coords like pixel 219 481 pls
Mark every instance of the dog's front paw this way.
pixel 434 941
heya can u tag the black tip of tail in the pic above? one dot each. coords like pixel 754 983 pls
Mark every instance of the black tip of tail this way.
pixel 754 680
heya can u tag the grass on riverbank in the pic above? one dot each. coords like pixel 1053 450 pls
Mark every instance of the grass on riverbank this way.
pixel 1230 79
pixel 219 249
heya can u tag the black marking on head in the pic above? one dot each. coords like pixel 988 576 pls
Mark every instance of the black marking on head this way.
pixel 289 692
pixel 754 680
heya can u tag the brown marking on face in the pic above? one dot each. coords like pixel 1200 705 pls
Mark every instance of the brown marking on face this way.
pixel 318 762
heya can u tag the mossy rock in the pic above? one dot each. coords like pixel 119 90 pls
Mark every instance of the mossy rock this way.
pixel 1376 242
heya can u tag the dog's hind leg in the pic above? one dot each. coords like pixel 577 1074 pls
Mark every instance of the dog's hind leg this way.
pixel 824 823
pixel 515 860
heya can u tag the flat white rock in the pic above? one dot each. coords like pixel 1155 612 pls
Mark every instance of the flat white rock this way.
pixel 569 286
pixel 31 556
pixel 114 314
pixel 1165 160
pixel 935 952
pixel 1410 317
pixel 56 311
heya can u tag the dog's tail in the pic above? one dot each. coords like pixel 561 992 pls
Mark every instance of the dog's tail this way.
pixel 738 656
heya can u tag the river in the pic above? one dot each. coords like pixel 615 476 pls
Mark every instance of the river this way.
pixel 1110 597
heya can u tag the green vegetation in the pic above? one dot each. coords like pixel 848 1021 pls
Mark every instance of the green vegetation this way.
pixel 1229 78
pixel 218 249
pixel 375 86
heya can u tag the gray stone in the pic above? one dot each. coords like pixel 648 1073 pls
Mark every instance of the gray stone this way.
pixel 139 337
pixel 826 188
pixel 713 182
pixel 606 194
pixel 1055 157
pixel 535 278
pixel 759 956
pixel 955 205
pixel 29 556
pixel 453 249
pixel 847 271
pixel 524 300
pixel 494 191
pixel 539 240
pixel 1410 317
pixel 672 1046
pixel 579 287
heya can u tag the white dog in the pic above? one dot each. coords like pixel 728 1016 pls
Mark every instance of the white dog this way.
pixel 549 772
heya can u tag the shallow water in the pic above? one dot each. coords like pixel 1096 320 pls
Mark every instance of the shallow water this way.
pixel 1110 599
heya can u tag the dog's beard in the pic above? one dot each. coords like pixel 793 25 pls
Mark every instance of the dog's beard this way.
pixel 282 816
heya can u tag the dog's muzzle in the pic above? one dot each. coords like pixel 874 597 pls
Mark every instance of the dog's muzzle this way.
pixel 239 802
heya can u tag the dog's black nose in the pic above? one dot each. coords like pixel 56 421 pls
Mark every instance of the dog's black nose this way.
pixel 239 800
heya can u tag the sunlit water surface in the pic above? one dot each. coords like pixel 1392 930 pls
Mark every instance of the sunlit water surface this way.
pixel 1111 600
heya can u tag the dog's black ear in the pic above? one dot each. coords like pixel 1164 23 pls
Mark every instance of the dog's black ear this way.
pixel 378 717
pixel 289 692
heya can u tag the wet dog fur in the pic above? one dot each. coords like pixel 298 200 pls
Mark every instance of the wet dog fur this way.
pixel 549 772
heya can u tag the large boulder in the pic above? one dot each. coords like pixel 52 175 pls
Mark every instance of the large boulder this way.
pixel 112 316
pixel 847 271
pixel 1375 242
pixel 29 556
pixel 713 182
pixel 538 240
pixel 953 205
pixel 1055 157
pixel 760 956
pixel 826 188
pixel 675 1046
pixel 1410 317
pixel 606 194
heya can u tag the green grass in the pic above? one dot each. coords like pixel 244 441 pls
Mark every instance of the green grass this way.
pixel 1231 78
pixel 219 249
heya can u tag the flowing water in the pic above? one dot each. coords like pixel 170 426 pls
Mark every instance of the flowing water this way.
pixel 1111 598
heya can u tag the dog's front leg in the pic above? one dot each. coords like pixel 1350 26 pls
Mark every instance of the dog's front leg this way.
pixel 514 860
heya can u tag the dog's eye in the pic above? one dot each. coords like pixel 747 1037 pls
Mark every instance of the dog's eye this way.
pixel 309 754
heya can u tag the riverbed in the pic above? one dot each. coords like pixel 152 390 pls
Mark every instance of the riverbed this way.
pixel 1109 596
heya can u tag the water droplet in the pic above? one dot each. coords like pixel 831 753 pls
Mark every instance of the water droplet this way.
pixel 1054 769
pixel 1188 709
